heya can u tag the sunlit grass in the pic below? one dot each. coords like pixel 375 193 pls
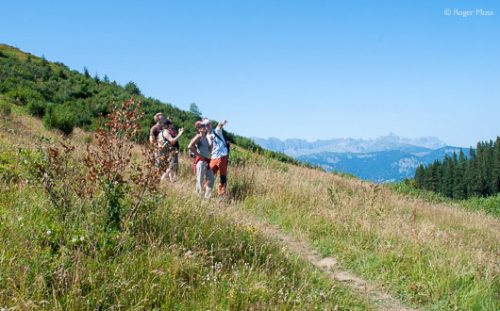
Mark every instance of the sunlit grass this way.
pixel 430 255
pixel 181 253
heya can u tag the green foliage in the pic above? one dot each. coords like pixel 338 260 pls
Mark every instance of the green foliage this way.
pixel 5 109
pixel 37 108
pixel 460 177
pixel 193 108
pixel 23 95
pixel 60 119
pixel 132 89
pixel 489 205
pixel 409 187
pixel 10 171
pixel 80 99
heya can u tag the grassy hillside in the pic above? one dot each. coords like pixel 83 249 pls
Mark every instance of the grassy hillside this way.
pixel 66 98
pixel 430 255
pixel 73 239
pixel 489 205
pixel 180 252
pixel 188 254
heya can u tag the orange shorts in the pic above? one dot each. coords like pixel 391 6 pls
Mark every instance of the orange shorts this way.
pixel 219 164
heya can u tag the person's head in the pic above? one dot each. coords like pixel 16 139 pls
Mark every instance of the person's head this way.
pixel 158 117
pixel 167 123
pixel 206 122
pixel 200 126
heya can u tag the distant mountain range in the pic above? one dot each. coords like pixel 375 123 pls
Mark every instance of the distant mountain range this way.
pixel 384 159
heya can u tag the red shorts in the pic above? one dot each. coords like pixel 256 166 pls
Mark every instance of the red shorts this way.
pixel 219 164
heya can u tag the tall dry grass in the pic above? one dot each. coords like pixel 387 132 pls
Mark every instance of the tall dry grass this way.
pixel 429 255
pixel 178 252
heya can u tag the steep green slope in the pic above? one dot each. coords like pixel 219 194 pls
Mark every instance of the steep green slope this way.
pixel 66 98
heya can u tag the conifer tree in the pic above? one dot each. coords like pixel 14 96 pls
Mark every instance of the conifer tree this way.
pixel 447 177
pixel 193 108
pixel 420 177
pixel 461 177
pixel 496 167
pixel 86 72
pixel 459 184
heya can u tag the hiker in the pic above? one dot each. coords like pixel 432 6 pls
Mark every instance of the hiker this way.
pixel 168 138
pixel 159 153
pixel 220 151
pixel 157 128
pixel 201 148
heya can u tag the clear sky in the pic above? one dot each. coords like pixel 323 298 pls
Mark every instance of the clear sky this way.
pixel 288 69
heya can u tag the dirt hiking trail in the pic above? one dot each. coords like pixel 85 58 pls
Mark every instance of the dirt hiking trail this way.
pixel 329 266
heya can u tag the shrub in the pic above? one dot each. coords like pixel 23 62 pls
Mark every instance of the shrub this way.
pixel 22 95
pixel 106 184
pixel 490 205
pixel 59 119
pixel 37 108
pixel 5 109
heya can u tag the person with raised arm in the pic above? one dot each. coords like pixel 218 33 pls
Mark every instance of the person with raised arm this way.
pixel 168 139
pixel 220 152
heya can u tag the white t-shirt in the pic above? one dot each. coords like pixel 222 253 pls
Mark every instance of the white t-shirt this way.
pixel 219 148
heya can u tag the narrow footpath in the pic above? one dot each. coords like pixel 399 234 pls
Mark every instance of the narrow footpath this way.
pixel 329 266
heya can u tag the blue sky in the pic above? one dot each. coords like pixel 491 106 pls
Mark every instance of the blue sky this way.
pixel 288 69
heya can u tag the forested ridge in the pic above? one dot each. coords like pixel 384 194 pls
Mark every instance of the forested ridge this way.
pixel 66 98
pixel 463 176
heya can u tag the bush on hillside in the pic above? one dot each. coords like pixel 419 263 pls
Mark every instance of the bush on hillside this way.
pixel 109 184
pixel 5 109
pixel 59 119
pixel 22 95
pixel 37 108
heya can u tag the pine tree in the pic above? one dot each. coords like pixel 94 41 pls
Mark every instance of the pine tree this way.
pixel 447 177
pixel 420 177
pixel 496 167
pixel 459 184
pixel 461 177
pixel 193 108
pixel 86 72
pixel 132 88
pixel 435 176
pixel 474 180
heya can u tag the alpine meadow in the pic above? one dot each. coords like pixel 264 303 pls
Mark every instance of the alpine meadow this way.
pixel 85 223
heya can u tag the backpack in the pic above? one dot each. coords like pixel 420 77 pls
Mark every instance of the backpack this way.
pixel 163 142
pixel 228 145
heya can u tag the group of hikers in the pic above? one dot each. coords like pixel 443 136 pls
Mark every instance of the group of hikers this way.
pixel 208 147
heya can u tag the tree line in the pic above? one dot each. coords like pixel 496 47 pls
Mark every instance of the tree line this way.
pixel 463 176
pixel 65 98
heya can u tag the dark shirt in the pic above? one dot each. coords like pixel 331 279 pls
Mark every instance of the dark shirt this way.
pixel 154 131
